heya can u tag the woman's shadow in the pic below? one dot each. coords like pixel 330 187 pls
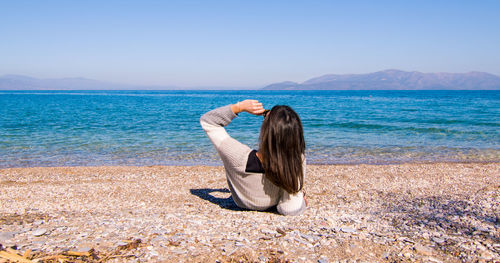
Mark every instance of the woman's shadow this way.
pixel 226 203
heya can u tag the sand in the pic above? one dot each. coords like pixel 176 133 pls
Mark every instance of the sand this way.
pixel 438 212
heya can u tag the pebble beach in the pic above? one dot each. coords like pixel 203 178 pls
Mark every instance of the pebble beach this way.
pixel 427 212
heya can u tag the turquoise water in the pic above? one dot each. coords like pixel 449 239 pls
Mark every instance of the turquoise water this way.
pixel 68 128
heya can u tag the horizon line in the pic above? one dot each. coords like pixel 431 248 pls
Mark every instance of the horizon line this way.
pixel 202 87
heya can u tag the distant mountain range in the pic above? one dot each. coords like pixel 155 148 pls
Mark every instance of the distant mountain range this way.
pixel 395 80
pixel 382 80
pixel 18 82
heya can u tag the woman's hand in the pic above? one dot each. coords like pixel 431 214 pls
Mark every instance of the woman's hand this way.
pixel 251 106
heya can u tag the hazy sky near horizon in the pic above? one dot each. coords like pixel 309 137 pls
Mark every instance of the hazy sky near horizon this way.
pixel 244 43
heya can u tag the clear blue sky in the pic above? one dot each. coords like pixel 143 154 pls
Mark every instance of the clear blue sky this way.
pixel 244 43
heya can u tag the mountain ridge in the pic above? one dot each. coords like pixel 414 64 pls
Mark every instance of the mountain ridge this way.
pixel 393 79
pixel 21 82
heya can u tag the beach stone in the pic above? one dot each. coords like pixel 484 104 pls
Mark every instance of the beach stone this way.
pixel 159 232
pixel 309 237
pixel 84 249
pixel 179 252
pixel 83 234
pixel 39 232
pixel 435 260
pixel 347 229
pixel 120 243
pixel 159 239
pixel 4 236
pixel 268 231
pixel 438 240
pixel 423 250
pixel 485 253
pixel 322 260
pixel 302 242
pixel 482 229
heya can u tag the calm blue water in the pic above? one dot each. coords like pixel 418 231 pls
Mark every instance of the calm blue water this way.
pixel 68 128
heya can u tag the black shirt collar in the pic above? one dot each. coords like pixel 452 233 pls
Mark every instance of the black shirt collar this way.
pixel 253 164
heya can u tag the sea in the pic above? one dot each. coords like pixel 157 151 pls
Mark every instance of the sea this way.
pixel 143 128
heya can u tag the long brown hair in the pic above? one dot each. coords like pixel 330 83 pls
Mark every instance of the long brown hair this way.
pixel 282 147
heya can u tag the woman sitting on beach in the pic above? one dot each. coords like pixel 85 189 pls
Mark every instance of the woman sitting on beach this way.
pixel 272 176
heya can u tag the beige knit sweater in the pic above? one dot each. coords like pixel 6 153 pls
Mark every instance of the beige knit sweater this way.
pixel 249 190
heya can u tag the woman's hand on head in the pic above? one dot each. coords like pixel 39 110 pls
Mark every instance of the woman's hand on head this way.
pixel 251 106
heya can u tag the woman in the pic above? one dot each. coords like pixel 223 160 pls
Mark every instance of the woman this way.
pixel 272 176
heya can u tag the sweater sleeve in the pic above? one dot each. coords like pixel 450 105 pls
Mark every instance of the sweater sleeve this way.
pixel 214 121
pixel 232 152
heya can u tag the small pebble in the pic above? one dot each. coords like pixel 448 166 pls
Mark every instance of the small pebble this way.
pixel 84 249
pixel 6 236
pixel 438 240
pixel 347 229
pixel 120 243
pixel 39 232
pixel 423 250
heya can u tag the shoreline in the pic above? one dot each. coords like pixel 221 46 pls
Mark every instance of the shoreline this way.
pixel 220 165
pixel 423 212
